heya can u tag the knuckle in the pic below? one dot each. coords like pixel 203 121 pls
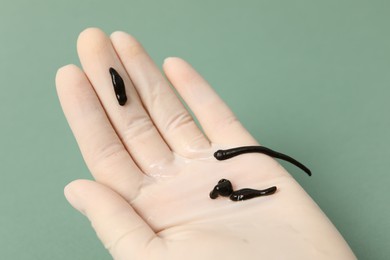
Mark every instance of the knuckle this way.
pixel 107 156
pixel 177 120
pixel 227 121
pixel 137 128
pixel 154 95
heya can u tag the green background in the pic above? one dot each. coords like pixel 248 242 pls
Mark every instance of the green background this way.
pixel 309 78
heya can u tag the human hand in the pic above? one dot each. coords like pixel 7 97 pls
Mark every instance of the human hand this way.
pixel 154 168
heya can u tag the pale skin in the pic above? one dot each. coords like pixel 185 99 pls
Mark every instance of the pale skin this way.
pixel 154 168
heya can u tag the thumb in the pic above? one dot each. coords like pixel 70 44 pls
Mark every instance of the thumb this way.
pixel 122 231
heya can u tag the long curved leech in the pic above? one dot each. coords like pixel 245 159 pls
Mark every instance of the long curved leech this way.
pixel 246 194
pixel 229 153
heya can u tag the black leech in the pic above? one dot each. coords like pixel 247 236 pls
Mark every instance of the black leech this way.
pixel 229 153
pixel 246 194
pixel 119 87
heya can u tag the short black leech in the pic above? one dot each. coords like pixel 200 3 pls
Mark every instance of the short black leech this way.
pixel 225 189
pixel 119 87
pixel 246 194
pixel 229 153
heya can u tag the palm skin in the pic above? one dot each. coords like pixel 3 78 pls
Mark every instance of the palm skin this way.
pixel 154 168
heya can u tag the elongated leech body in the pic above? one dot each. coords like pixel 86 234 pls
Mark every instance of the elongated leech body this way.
pixel 246 194
pixel 119 87
pixel 224 188
pixel 229 153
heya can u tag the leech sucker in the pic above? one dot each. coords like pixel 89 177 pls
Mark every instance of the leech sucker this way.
pixel 223 188
pixel 119 87
pixel 229 153
pixel 246 194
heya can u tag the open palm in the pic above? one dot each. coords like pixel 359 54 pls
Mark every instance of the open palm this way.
pixel 154 167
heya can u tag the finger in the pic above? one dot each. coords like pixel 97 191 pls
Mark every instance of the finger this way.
pixel 217 120
pixel 104 153
pixel 131 121
pixel 122 231
pixel 167 112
